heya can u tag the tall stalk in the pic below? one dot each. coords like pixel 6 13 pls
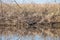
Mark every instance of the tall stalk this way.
pixel 1 7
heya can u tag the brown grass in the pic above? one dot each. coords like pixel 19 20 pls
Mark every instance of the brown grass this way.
pixel 29 19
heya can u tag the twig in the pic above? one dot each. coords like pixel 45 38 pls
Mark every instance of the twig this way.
pixel 17 3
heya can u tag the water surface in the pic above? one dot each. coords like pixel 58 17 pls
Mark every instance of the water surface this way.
pixel 28 37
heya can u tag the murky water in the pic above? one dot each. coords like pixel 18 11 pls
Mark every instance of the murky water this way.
pixel 27 37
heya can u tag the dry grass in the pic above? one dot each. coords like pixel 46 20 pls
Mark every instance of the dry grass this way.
pixel 29 19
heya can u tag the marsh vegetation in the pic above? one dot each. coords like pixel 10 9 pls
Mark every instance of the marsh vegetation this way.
pixel 27 19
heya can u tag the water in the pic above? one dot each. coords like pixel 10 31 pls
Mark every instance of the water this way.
pixel 27 37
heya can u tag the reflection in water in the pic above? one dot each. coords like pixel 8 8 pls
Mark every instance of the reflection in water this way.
pixel 28 37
